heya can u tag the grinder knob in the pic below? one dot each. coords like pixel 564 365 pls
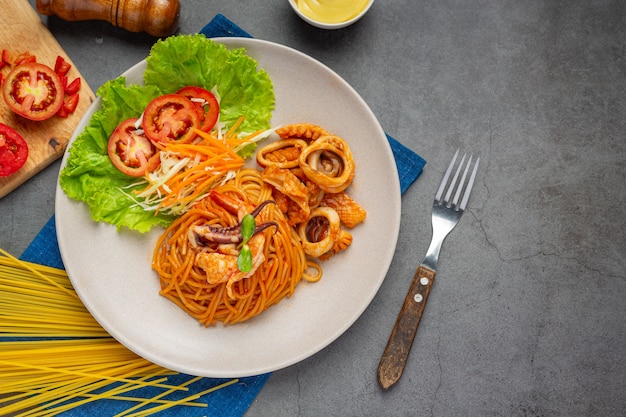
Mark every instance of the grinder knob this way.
pixel 155 17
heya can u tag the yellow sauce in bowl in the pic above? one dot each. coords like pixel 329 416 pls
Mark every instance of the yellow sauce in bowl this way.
pixel 331 11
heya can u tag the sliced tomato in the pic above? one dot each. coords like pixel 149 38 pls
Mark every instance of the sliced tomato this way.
pixel 63 79
pixel 13 150
pixel 33 91
pixel 131 151
pixel 61 66
pixel 73 87
pixel 171 118
pixel 71 102
pixel 6 57
pixel 205 103
pixel 24 58
pixel 69 105
pixel 63 112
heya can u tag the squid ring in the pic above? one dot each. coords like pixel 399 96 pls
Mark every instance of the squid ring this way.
pixel 282 153
pixel 328 163
pixel 319 233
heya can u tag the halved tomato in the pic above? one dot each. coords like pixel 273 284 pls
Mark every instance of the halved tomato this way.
pixel 13 150
pixel 33 91
pixel 131 151
pixel 205 103
pixel 171 118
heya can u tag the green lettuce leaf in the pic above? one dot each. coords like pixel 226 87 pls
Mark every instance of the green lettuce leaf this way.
pixel 175 62
pixel 244 89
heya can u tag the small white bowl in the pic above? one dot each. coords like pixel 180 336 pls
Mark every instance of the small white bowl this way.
pixel 325 25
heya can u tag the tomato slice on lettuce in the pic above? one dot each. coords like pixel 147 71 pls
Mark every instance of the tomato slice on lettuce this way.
pixel 131 151
pixel 206 104
pixel 33 91
pixel 171 118
pixel 13 150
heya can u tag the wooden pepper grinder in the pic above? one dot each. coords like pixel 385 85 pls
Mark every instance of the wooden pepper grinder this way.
pixel 155 17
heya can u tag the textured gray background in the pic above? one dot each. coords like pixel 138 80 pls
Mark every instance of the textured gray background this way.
pixel 527 316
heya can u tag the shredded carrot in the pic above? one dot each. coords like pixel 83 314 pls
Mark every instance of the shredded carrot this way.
pixel 235 126
pixel 236 141
pixel 209 160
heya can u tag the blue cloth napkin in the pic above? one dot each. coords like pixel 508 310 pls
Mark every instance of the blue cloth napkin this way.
pixel 235 399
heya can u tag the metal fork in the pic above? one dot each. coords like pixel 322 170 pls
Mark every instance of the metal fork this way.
pixel 446 213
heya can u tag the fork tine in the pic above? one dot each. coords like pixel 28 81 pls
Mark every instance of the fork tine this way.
pixel 460 187
pixel 453 182
pixel 442 186
pixel 470 184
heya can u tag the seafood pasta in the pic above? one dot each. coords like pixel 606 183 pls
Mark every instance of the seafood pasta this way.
pixel 299 209
pixel 197 262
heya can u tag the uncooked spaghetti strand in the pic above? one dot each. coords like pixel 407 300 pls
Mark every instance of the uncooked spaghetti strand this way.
pixel 112 394
pixel 19 285
pixel 16 266
pixel 192 397
pixel 156 397
pixel 73 347
pixel 22 375
pixel 61 387
pixel 28 265
pixel 59 405
pixel 87 384
pixel 77 373
pixel 43 403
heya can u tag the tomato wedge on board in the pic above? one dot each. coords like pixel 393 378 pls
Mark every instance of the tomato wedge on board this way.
pixel 131 151
pixel 171 118
pixel 33 91
pixel 71 102
pixel 6 57
pixel 205 103
pixel 73 87
pixel 13 150
pixel 24 58
pixel 61 66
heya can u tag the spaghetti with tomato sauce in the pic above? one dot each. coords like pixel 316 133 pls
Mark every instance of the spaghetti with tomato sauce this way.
pixel 187 282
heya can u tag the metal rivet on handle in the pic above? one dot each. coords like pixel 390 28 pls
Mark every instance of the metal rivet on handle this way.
pixel 424 281
pixel 418 298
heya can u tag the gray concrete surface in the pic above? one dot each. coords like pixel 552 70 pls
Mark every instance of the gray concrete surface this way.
pixel 527 316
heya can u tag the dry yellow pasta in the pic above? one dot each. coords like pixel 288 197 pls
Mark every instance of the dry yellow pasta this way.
pixel 54 356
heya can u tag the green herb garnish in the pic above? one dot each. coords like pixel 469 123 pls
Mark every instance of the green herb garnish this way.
pixel 244 260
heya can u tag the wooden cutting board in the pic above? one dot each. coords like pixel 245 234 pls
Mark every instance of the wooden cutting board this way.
pixel 21 30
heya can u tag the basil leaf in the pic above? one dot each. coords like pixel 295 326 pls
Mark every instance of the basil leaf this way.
pixel 244 260
pixel 247 227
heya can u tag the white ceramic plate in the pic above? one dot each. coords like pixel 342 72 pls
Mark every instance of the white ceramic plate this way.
pixel 111 270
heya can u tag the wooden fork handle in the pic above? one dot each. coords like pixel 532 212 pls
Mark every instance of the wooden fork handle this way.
pixel 396 353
